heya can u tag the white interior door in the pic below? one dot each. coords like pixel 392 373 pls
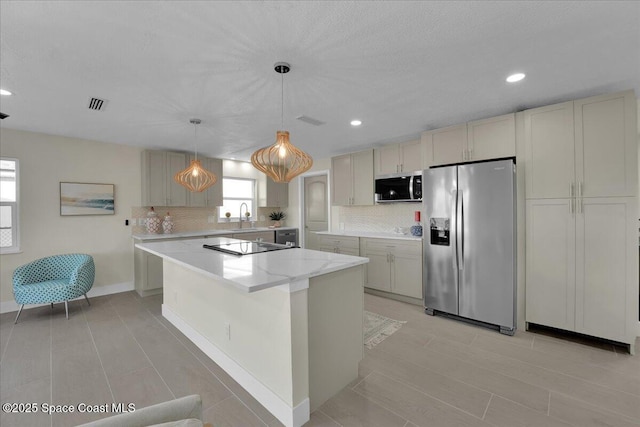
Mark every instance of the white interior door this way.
pixel 316 209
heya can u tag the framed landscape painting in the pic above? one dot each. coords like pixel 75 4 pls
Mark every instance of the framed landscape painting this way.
pixel 77 198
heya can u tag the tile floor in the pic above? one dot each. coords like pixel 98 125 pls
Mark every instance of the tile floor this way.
pixel 432 372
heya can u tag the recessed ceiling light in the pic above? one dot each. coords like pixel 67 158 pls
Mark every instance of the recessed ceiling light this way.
pixel 515 77
pixel 356 122
pixel 5 92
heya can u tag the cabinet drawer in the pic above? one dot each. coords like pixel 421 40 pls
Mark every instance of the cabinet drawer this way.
pixel 339 250
pixel 407 247
pixel 335 241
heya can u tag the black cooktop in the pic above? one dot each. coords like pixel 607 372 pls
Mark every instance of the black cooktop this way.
pixel 247 248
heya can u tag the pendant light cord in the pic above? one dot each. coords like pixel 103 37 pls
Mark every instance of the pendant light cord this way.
pixel 281 101
pixel 195 135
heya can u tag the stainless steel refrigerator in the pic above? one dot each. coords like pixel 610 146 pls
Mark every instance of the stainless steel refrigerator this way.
pixel 470 242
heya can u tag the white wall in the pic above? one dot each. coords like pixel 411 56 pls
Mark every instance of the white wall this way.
pixel 45 161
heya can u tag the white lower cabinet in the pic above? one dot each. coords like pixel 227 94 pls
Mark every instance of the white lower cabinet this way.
pixel 147 273
pixel 582 266
pixel 378 272
pixel 394 265
pixel 551 263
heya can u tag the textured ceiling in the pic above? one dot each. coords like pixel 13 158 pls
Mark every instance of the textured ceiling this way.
pixel 400 67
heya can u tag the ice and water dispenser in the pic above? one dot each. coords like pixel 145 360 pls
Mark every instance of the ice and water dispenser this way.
pixel 439 231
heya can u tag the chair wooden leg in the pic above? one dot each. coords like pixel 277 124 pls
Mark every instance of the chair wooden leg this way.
pixel 19 311
pixel 51 306
pixel 87 298
pixel 66 309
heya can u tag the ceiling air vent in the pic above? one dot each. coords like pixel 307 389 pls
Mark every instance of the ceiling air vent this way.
pixel 97 104
pixel 310 120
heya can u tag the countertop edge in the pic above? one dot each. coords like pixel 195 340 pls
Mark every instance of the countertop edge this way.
pixel 185 234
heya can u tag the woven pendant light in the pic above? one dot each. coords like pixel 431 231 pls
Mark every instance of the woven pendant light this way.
pixel 282 161
pixel 195 178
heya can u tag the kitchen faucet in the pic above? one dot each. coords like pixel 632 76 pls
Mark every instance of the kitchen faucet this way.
pixel 246 210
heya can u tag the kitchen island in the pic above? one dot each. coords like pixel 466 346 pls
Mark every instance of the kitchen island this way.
pixel 286 325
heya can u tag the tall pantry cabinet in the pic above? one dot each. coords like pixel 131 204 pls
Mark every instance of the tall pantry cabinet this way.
pixel 581 176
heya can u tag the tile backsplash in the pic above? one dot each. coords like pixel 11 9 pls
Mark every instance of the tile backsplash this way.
pixel 192 219
pixel 381 218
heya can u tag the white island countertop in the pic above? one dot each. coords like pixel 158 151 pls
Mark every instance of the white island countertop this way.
pixel 254 272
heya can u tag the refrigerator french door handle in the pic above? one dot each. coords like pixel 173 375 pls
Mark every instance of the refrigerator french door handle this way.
pixel 460 229
pixel 454 231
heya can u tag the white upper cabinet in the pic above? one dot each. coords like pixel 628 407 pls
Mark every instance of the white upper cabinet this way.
pixel 154 175
pixel 352 179
pixel 396 158
pixel 491 138
pixel 478 140
pixel 212 196
pixel 272 194
pixel 386 160
pixel 584 148
pixel 412 156
pixel 606 143
pixel 341 180
pixel 445 146
pixel 549 151
pixel 158 186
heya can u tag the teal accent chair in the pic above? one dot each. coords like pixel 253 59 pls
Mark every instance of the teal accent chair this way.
pixel 52 279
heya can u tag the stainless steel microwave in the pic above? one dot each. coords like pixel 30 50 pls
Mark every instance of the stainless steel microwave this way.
pixel 404 187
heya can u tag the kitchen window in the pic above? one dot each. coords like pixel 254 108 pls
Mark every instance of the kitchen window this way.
pixel 235 192
pixel 9 239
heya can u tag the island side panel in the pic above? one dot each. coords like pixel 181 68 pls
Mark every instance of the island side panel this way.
pixel 260 325
pixel 336 310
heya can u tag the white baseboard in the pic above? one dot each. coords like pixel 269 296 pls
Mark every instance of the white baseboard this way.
pixel 287 415
pixel 98 291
